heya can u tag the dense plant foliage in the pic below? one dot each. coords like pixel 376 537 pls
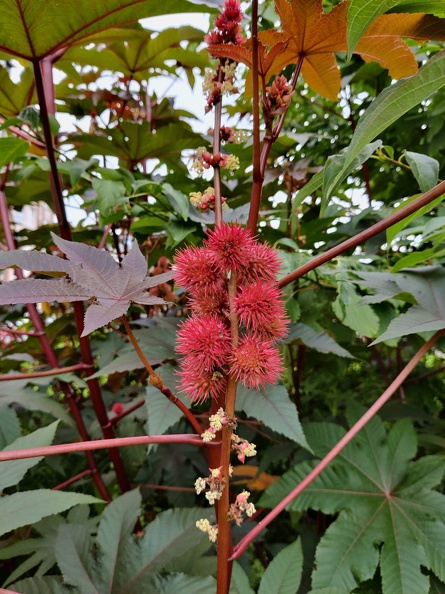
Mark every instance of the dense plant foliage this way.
pixel 222 354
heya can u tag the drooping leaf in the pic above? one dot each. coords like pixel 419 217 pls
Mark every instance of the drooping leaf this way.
pixel 425 169
pixel 185 584
pixel 28 507
pixel 93 273
pixel 274 408
pixel 161 413
pixel 283 574
pixel 9 425
pixel 71 22
pixel 382 499
pixel 320 341
pixel 12 471
pixel 74 558
pixel 240 582
pixel 389 106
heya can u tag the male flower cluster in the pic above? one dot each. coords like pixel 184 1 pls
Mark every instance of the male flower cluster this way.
pixel 204 339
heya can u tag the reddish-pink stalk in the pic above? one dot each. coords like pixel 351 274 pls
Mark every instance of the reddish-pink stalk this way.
pixel 360 238
pixel 157 382
pixel 257 185
pixel 216 149
pixel 72 480
pixel 47 348
pixel 3 591
pixel 358 426
pixel 103 444
pixel 48 373
pixel 20 332
pixel 42 87
pixel 22 134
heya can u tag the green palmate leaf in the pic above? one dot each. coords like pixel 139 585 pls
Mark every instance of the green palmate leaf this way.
pixel 283 575
pixel 388 107
pixel 170 535
pixel 15 95
pixel 12 149
pixel 351 313
pixel 28 507
pixel 320 341
pixel 274 408
pixel 185 584
pixel 12 471
pixel 71 22
pixel 383 502
pixel 425 169
pixel 37 585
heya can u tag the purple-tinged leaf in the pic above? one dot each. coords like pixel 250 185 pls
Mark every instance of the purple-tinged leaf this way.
pixel 89 257
pixel 153 281
pixel 35 261
pixel 134 262
pixel 36 291
pixel 146 299
pixel 100 314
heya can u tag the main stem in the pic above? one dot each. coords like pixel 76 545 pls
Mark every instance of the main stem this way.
pixel 395 385
pixel 225 545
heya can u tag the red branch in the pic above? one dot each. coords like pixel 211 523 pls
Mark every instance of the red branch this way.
pixel 48 373
pixel 103 444
pixel 360 238
pixel 369 414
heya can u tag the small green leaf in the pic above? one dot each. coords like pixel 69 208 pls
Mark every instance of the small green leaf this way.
pixel 29 507
pixel 240 581
pixel 12 149
pixel 283 575
pixel 425 169
pixel 178 200
pixel 320 341
pixel 12 471
pixel 390 105
pixel 275 409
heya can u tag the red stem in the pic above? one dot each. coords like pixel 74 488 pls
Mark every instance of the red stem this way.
pixel 48 373
pixel 360 238
pixel 369 414
pixel 257 185
pixel 47 349
pixel 72 480
pixel 22 134
pixel 65 231
pixel 102 444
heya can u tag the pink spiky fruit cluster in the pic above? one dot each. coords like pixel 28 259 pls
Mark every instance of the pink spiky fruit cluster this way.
pixel 204 339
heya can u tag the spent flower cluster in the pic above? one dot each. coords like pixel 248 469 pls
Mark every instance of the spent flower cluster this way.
pixel 204 339
pixel 241 506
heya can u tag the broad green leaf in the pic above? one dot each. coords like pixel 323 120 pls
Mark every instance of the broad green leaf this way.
pixel 171 534
pixel 352 314
pixel 436 7
pixel 71 22
pixel 109 193
pixel 9 425
pixel 320 341
pixel 427 285
pixel 29 507
pixel 12 149
pixel 178 201
pixel 396 229
pixel 411 260
pixel 162 414
pixel 240 582
pixel 15 95
pixel 336 164
pixel 329 591
pixel 425 169
pixel 361 13
pixel 274 408
pixel 38 585
pixel 389 106
pixel 115 528
pixel 12 471
pixel 383 503
pixel 283 574
pixel 74 558
pixel 17 391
